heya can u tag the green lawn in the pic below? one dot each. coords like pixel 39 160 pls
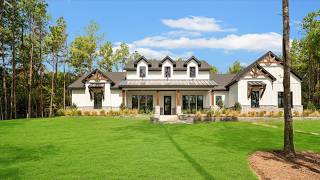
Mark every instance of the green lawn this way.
pixel 100 148
pixel 309 125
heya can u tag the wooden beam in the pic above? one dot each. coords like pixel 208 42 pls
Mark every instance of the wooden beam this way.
pixel 124 97
pixel 158 98
pixel 212 98
pixel 178 97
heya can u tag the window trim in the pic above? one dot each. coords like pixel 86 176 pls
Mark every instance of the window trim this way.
pixel 146 105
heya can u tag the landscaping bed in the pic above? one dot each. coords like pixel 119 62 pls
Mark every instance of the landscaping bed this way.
pixel 274 165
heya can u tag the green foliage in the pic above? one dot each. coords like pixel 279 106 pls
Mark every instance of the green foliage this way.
pixel 235 67
pixel 311 106
pixel 60 112
pixel 214 70
pixel 237 107
pixel 305 55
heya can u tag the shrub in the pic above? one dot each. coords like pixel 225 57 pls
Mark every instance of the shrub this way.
pixel 280 114
pixel 78 113
pixel 86 113
pixel 122 107
pixel 315 114
pixel 306 112
pixel 217 113
pixel 114 113
pixel 237 107
pixel 296 113
pixel 60 112
pixel 102 113
pixel 311 106
pixel 262 113
pixel 94 113
pixel 133 112
pixel 244 114
pixel 251 113
pixel 220 103
pixel 210 113
pixel 198 116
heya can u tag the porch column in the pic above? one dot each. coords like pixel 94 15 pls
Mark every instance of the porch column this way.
pixel 157 108
pixel 178 102
pixel 124 98
pixel 211 95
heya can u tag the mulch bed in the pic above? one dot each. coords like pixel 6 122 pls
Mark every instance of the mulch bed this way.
pixel 274 165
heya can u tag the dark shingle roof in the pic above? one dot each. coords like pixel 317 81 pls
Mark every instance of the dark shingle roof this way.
pixel 114 77
pixel 155 65
pixel 222 80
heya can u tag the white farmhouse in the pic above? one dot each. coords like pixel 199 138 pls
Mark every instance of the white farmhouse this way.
pixel 170 87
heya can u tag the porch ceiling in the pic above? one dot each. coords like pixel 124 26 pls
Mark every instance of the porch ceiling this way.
pixel 167 83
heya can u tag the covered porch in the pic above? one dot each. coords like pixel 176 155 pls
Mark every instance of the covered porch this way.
pixel 168 101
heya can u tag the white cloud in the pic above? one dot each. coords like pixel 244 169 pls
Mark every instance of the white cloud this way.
pixel 154 53
pixel 196 23
pixel 182 34
pixel 251 42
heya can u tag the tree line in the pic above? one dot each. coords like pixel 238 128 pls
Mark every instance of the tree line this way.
pixel 37 63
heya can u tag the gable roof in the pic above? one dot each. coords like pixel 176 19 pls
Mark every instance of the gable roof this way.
pixel 167 58
pixel 155 65
pixel 114 77
pixel 192 58
pixel 247 69
pixel 139 59
pixel 277 58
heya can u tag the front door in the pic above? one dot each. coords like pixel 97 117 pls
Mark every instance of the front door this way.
pixel 97 100
pixel 167 105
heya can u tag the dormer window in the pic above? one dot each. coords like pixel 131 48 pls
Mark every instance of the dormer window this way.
pixel 142 71
pixel 192 72
pixel 167 72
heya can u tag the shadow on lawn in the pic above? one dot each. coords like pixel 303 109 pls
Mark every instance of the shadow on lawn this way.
pixel 12 156
pixel 192 161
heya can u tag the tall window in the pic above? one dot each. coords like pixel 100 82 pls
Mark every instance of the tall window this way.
pixel 142 102
pixel 142 71
pixel 281 99
pixel 255 99
pixel 192 103
pixel 192 72
pixel 135 102
pixel 167 72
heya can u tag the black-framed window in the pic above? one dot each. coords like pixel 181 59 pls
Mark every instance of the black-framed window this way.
pixel 255 99
pixel 199 103
pixel 281 99
pixel 192 103
pixel 135 102
pixel 192 72
pixel 142 71
pixel 167 71
pixel 218 98
pixel 142 102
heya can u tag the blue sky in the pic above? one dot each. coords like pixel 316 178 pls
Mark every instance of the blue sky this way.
pixel 219 32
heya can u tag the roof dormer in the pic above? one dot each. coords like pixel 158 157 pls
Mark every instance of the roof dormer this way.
pixel 169 59
pixel 142 58
pixel 194 59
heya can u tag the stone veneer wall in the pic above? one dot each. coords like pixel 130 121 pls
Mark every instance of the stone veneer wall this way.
pixel 269 108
